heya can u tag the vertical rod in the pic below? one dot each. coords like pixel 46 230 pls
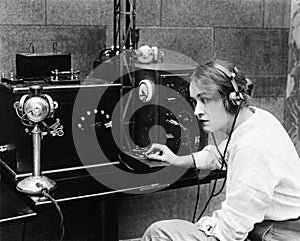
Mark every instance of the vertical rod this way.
pixel 127 24
pixel 133 25
pixel 120 26
pixel 36 139
pixel 115 34
pixel 133 40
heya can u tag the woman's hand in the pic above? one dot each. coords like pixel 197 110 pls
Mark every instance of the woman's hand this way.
pixel 162 153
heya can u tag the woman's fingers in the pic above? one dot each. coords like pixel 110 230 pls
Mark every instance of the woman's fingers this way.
pixel 156 157
pixel 155 148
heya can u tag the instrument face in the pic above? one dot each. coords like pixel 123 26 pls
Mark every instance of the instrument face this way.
pixel 146 90
pixel 36 108
pixel 145 54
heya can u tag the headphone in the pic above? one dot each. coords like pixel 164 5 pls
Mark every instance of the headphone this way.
pixel 236 97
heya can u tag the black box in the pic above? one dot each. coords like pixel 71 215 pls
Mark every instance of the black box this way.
pixel 39 65
pixel 170 108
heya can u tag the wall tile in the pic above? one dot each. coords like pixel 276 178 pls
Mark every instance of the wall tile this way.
pixel 148 12
pixel 256 51
pixel 77 12
pixel 83 42
pixel 269 86
pixel 255 101
pixel 195 43
pixel 22 12
pixel 222 13
pixel 275 105
pixel 109 35
pixel 277 13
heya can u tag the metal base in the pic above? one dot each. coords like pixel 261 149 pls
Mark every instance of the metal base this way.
pixel 35 185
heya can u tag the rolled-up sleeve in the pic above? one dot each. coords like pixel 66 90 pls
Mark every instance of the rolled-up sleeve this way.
pixel 208 158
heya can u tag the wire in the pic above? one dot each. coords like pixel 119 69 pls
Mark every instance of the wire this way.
pixel 23 119
pixel 198 187
pixel 46 126
pixel 217 147
pixel 213 194
pixel 61 226
pixel 223 161
pixel 224 154
pixel 187 135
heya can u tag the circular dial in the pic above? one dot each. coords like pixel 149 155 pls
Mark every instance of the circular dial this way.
pixel 146 90
pixel 145 54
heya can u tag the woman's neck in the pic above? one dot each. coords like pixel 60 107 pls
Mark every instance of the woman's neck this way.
pixel 244 114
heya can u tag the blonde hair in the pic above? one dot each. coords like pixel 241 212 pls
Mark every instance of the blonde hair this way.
pixel 216 82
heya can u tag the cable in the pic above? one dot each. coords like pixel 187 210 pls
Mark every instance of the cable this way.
pixel 22 117
pixel 223 163
pixel 219 152
pixel 223 159
pixel 61 226
pixel 211 195
pixel 187 135
pixel 198 187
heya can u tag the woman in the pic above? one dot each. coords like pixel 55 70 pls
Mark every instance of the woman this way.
pixel 263 167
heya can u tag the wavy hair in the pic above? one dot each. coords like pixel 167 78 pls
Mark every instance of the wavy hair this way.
pixel 219 86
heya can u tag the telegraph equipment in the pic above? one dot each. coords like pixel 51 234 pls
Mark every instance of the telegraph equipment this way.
pixel 59 155
pixel 146 54
pixel 33 109
pixel 36 66
pixel 39 65
pixel 146 90
pixel 161 112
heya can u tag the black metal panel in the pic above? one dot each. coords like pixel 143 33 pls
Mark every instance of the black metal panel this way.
pixel 57 152
pixel 33 66
pixel 170 104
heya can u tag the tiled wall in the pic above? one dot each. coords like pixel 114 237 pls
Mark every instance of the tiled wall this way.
pixel 251 33
pixel 78 27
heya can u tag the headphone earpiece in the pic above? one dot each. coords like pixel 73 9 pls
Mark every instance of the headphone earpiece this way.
pixel 236 97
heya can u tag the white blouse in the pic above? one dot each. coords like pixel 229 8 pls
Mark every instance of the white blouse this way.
pixel 263 177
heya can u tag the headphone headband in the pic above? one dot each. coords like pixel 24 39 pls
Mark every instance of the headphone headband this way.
pixel 234 97
pixel 230 75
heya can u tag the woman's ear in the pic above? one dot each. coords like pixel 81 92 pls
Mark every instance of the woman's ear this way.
pixel 227 105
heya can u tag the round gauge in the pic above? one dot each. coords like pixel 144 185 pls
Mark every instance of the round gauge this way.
pixel 146 90
pixel 145 54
